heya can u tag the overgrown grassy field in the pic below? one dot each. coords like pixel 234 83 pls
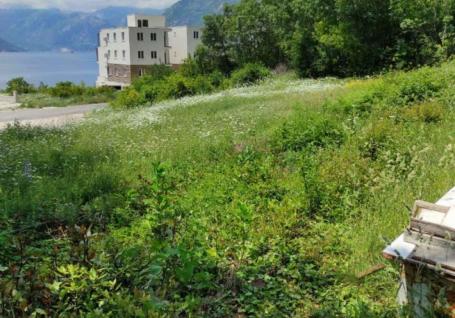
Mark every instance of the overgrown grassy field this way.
pixel 38 100
pixel 60 95
pixel 255 202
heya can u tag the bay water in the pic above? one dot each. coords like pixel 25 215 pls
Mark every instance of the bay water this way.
pixel 49 67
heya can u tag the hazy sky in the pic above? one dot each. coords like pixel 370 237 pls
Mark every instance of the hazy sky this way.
pixel 86 5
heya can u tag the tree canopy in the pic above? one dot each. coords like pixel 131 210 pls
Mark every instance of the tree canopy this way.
pixel 329 37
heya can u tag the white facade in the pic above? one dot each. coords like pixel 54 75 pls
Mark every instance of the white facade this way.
pixel 124 53
pixel 183 41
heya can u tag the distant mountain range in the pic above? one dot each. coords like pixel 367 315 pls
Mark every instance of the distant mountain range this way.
pixel 192 12
pixel 52 29
pixel 8 47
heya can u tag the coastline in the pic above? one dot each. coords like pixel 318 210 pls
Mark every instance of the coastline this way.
pixel 49 67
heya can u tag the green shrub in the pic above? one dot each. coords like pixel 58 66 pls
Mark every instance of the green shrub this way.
pixel 81 289
pixel 20 85
pixel 377 138
pixel 308 131
pixel 152 89
pixel 201 85
pixel 357 103
pixel 128 98
pixel 159 71
pixel 428 112
pixel 415 87
pixel 66 89
pixel 176 86
pixel 189 68
pixel 154 74
pixel 216 79
pixel 249 74
pixel 151 93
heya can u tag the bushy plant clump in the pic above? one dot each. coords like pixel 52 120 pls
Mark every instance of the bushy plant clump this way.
pixel 20 85
pixel 129 98
pixel 265 206
pixel 62 94
pixel 249 74
pixel 309 131
pixel 187 81
pixel 340 39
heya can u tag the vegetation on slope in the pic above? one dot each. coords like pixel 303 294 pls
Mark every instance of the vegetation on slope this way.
pixel 52 29
pixel 258 202
pixel 163 83
pixel 60 95
pixel 8 47
pixel 334 37
pixel 192 12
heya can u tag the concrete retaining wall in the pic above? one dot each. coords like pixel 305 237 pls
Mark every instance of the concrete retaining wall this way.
pixel 7 99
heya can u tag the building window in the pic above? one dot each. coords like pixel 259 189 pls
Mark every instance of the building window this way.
pixel 115 37
pixel 166 39
pixel 115 54
pixel 141 72
pixel 108 54
pixel 145 23
pixel 154 55
pixel 123 36
pixel 139 23
pixel 107 37
pixel 124 54
pixel 153 36
pixel 140 36
pixel 196 34
pixel 140 54
pixel 175 53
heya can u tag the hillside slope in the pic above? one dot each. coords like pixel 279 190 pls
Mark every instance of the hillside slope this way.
pixel 53 29
pixel 191 12
pixel 8 47
pixel 264 201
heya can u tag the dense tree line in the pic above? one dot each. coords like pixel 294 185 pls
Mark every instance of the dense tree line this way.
pixel 329 37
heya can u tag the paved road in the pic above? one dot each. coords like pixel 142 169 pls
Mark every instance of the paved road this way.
pixel 46 116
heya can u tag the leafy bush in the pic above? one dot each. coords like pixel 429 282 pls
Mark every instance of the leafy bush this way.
pixel 66 93
pixel 171 86
pixel 249 74
pixel 154 74
pixel 216 78
pixel 190 68
pixel 354 103
pixel 421 85
pixel 428 112
pixel 151 93
pixel 308 131
pixel 81 290
pixel 176 86
pixel 128 98
pixel 159 71
pixel 20 85
pixel 377 138
pixel 201 84
pixel 66 89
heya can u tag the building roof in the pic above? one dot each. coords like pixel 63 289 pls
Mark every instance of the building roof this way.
pixel 430 237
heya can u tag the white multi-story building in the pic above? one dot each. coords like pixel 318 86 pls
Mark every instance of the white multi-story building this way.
pixel 125 53
pixel 183 41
